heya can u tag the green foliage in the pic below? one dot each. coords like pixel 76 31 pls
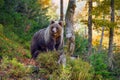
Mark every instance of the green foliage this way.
pixel 19 20
pixel 117 4
pixel 106 23
pixel 65 73
pixel 6 47
pixel 1 28
pixel 99 63
pixel 80 45
pixel 14 69
pixel 47 62
pixel 102 7
pixel 6 19
pixel 74 69
pixel 16 16
pixel 10 48
pixel 102 12
pixel 80 70
pixel 116 71
pixel 1 3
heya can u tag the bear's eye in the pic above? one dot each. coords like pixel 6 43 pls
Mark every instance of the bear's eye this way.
pixel 52 27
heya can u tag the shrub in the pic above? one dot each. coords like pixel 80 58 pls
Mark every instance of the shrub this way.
pixel 1 28
pixel 14 69
pixel 80 70
pixel 9 48
pixel 1 3
pixel 116 70
pixel 81 46
pixel 47 63
pixel 99 63
pixel 74 69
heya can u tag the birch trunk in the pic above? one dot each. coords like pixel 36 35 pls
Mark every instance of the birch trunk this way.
pixel 70 36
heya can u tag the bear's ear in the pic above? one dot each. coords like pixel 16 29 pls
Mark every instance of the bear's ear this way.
pixel 52 22
pixel 61 23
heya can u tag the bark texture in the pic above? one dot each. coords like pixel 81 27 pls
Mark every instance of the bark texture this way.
pixel 111 34
pixel 61 10
pixel 90 28
pixel 101 40
pixel 102 35
pixel 70 36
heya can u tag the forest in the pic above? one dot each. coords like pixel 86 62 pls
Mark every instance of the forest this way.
pixel 91 39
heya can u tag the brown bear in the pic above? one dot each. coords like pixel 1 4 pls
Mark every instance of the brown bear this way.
pixel 47 39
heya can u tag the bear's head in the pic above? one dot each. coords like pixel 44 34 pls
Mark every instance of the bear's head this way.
pixel 56 29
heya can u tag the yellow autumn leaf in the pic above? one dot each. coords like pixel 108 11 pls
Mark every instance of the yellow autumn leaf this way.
pixel 44 3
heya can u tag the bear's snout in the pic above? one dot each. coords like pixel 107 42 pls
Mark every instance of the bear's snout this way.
pixel 54 30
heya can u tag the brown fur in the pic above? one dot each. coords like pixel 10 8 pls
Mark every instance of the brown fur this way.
pixel 50 38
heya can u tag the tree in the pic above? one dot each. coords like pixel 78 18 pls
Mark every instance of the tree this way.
pixel 102 35
pixel 69 26
pixel 111 34
pixel 90 28
pixel 25 17
pixel 61 10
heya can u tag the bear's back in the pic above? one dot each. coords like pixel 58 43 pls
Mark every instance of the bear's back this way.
pixel 39 34
pixel 38 39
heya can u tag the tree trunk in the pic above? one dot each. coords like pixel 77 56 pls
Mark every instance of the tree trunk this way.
pixel 102 35
pixel 61 10
pixel 90 28
pixel 101 40
pixel 69 26
pixel 111 34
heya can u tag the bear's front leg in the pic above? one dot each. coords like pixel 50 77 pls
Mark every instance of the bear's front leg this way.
pixel 51 46
pixel 35 54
